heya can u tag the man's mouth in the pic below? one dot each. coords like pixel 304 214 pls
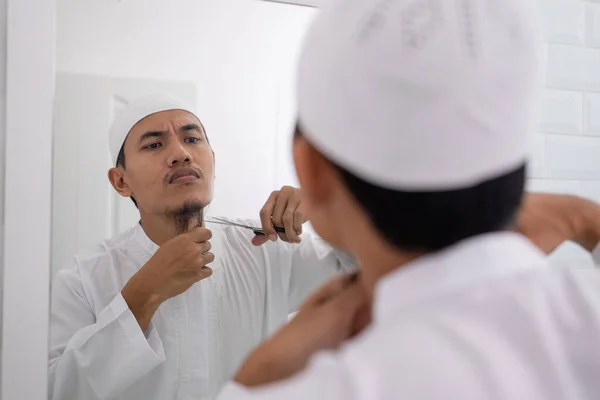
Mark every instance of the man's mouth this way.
pixel 183 176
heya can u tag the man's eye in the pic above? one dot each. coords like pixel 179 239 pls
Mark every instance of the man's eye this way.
pixel 192 140
pixel 153 146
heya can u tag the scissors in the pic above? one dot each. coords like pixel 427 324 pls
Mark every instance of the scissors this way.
pixel 257 231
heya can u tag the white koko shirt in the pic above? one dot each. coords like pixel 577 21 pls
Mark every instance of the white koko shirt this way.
pixel 196 340
pixel 486 319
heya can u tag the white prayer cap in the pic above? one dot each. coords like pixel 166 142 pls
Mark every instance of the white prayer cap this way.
pixel 422 95
pixel 136 111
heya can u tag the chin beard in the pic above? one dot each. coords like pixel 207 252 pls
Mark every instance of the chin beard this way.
pixel 189 216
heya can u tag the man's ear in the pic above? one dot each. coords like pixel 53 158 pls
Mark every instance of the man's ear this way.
pixel 315 173
pixel 116 176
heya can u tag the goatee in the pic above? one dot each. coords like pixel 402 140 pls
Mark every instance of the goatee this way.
pixel 187 217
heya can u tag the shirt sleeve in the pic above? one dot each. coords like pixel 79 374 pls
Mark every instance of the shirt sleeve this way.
pixel 313 263
pixel 95 356
pixel 325 379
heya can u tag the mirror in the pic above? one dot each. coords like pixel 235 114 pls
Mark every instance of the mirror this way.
pixel 234 62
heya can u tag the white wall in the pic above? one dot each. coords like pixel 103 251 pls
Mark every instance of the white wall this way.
pixel 241 53
pixel 566 152
pixel 27 161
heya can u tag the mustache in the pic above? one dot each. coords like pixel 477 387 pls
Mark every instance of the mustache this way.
pixel 183 171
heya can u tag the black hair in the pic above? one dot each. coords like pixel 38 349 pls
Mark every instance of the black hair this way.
pixel 189 216
pixel 430 221
pixel 427 221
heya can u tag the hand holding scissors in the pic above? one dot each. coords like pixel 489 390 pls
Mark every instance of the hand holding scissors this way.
pixel 281 217
pixel 282 209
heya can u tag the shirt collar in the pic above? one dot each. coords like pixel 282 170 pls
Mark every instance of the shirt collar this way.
pixel 144 241
pixel 474 259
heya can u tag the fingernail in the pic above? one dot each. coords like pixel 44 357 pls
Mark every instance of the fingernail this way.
pixel 273 237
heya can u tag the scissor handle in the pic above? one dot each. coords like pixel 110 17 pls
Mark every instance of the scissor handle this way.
pixel 260 232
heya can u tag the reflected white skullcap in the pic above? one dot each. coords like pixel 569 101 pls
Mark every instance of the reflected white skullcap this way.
pixel 136 111
pixel 422 95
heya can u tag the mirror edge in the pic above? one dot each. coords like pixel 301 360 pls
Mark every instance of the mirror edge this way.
pixel 30 69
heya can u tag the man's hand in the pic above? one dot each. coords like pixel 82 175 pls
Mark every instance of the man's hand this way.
pixel 548 220
pixel 173 269
pixel 282 209
pixel 335 313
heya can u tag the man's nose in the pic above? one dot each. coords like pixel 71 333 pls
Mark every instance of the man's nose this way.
pixel 178 153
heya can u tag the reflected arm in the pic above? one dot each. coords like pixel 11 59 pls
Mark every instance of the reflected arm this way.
pixel 95 356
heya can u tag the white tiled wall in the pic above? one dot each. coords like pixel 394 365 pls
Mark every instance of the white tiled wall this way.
pixel 566 150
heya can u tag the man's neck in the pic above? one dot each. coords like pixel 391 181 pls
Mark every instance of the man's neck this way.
pixel 376 268
pixel 377 258
pixel 162 228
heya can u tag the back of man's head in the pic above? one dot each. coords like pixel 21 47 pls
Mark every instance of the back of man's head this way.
pixel 425 107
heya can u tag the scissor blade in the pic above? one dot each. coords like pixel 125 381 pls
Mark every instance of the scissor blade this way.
pixel 222 221
pixel 217 222
pixel 257 231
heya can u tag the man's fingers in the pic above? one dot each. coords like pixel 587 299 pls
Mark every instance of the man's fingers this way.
pixel 282 210
pixel 355 303
pixel 299 219
pixel 353 295
pixel 203 273
pixel 259 240
pixel 362 319
pixel 203 247
pixel 351 306
pixel 206 258
pixel 199 235
pixel 283 237
pixel 195 274
pixel 279 209
pixel 288 220
pixel 209 258
pixel 265 216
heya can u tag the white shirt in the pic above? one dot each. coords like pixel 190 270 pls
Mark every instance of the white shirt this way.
pixel 486 319
pixel 196 340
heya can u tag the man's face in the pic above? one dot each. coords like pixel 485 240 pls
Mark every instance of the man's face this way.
pixel 168 163
pixel 323 198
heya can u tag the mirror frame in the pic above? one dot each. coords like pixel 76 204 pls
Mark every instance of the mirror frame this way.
pixel 30 69
pixel 306 3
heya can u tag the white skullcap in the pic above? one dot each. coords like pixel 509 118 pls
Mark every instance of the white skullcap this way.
pixel 422 95
pixel 136 111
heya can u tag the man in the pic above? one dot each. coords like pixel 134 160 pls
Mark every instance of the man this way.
pixel 142 316
pixel 410 151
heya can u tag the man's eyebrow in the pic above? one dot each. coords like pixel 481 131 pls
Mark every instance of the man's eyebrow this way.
pixel 152 134
pixel 191 127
